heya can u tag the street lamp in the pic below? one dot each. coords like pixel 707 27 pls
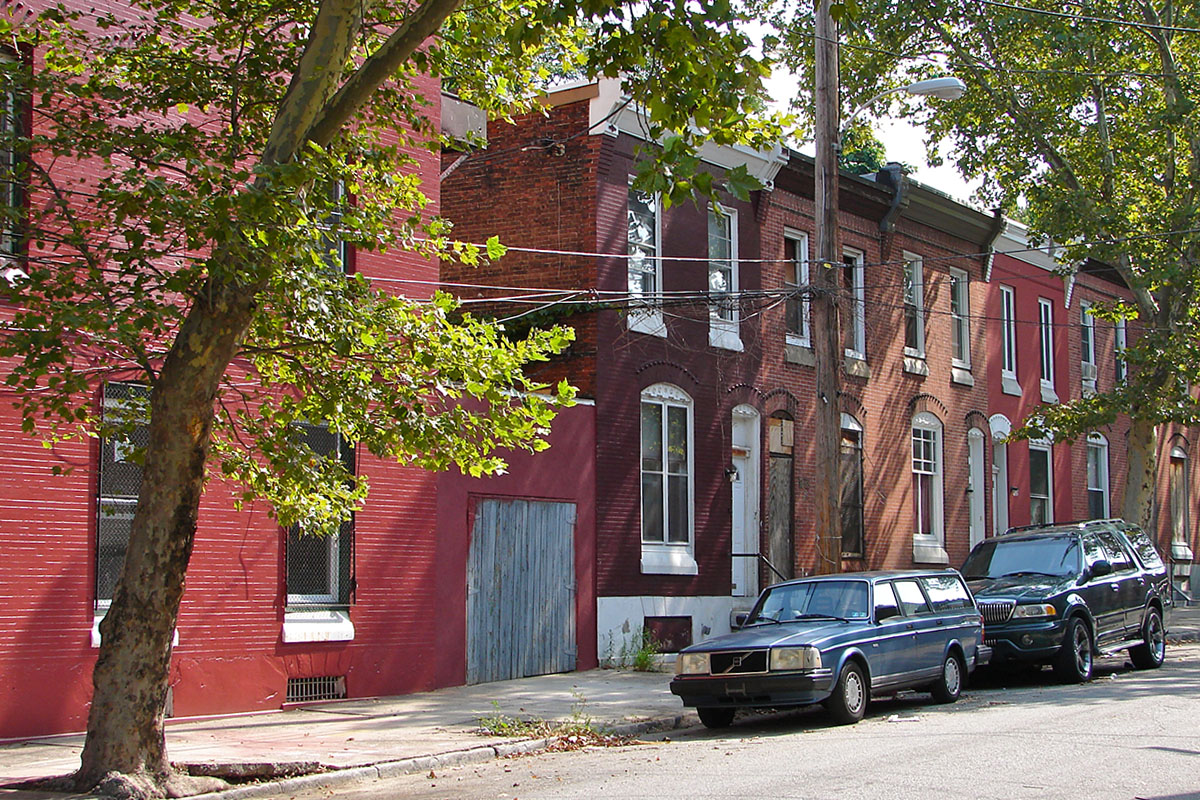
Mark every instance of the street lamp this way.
pixel 826 283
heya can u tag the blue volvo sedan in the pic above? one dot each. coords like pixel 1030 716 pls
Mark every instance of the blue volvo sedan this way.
pixel 838 640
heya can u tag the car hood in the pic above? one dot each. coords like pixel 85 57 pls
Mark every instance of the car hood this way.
pixel 785 634
pixel 1020 587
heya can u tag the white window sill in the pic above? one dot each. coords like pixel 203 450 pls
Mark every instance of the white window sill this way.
pixel 648 322
pixel 724 335
pixel 100 612
pixel 857 366
pixel 663 560
pixel 915 365
pixel 799 354
pixel 317 626
pixel 1009 385
pixel 1048 393
pixel 929 552
pixel 962 375
pixel 1180 552
pixel 796 340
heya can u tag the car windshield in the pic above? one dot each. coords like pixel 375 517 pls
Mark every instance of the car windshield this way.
pixel 845 600
pixel 1057 556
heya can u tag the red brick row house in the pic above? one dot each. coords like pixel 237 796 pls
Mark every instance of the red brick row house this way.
pixel 702 373
pixel 1049 348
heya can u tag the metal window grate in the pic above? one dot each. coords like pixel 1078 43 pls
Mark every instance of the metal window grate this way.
pixel 322 687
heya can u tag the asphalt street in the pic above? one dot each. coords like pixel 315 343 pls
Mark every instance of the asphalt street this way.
pixel 1126 734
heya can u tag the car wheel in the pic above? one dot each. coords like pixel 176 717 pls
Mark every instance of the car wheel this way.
pixel 848 702
pixel 716 717
pixel 1074 661
pixel 1151 653
pixel 947 688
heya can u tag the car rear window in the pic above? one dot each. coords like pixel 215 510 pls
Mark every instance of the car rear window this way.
pixel 946 592
pixel 1143 547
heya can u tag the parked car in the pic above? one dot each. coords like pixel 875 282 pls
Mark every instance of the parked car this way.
pixel 837 640
pixel 1063 594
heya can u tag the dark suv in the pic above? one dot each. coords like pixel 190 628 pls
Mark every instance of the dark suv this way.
pixel 1061 594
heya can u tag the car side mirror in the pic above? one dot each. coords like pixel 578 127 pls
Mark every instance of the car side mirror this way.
pixel 1101 568
pixel 739 621
pixel 886 612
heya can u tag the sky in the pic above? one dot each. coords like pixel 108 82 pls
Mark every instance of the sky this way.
pixel 903 141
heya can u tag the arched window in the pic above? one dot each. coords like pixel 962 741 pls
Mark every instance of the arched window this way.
pixel 928 490
pixel 667 512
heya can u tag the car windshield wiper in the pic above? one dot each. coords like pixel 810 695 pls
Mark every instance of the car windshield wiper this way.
pixel 760 620
pixel 980 577
pixel 1030 572
pixel 821 616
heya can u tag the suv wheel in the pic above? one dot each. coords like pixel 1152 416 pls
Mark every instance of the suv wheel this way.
pixel 947 688
pixel 1151 653
pixel 1074 661
pixel 848 702
pixel 716 717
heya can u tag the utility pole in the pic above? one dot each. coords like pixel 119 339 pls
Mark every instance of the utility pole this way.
pixel 826 283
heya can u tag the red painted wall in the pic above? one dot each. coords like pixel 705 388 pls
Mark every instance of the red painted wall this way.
pixel 230 656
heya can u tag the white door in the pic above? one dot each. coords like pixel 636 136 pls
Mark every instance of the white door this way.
pixel 975 474
pixel 999 487
pixel 744 487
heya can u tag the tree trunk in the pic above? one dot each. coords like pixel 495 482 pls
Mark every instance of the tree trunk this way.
pixel 125 723
pixel 1141 479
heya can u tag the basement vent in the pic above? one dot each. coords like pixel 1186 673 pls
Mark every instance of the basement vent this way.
pixel 324 687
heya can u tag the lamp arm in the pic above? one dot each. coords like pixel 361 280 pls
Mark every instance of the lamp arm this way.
pixel 845 126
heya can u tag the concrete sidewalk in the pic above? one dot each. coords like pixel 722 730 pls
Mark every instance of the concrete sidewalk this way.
pixel 369 738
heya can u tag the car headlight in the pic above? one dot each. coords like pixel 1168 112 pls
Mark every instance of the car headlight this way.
pixel 1039 611
pixel 692 664
pixel 794 658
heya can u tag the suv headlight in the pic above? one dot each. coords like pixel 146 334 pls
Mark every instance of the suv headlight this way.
pixel 692 664
pixel 1039 611
pixel 794 658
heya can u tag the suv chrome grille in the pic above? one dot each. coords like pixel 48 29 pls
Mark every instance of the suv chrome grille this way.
pixel 738 662
pixel 996 611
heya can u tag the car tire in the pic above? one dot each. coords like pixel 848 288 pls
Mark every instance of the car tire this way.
pixel 848 703
pixel 716 717
pixel 1151 653
pixel 1073 664
pixel 948 687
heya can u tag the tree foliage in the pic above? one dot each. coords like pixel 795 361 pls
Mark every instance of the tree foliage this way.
pixel 1086 116
pixel 190 168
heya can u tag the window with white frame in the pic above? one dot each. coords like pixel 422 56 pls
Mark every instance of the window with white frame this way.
pixel 320 567
pixel 1097 476
pixel 1041 483
pixel 960 318
pixel 121 450
pixel 1046 340
pixel 1119 346
pixel 795 281
pixel 914 306
pixel 12 186
pixel 723 278
pixel 1008 332
pixel 927 485
pixel 666 475
pixel 855 319
pixel 1087 347
pixel 644 263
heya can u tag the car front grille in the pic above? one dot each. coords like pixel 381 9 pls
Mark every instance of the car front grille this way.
pixel 738 662
pixel 996 611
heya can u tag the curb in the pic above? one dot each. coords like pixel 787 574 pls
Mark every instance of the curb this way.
pixel 408 766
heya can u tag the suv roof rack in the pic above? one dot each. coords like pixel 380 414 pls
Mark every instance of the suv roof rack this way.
pixel 1077 523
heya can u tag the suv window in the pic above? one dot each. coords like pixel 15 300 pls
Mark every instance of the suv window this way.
pixel 1093 551
pixel 1143 547
pixel 1001 556
pixel 946 592
pixel 1121 562
pixel 911 598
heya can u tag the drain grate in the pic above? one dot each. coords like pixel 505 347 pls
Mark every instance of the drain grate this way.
pixel 322 687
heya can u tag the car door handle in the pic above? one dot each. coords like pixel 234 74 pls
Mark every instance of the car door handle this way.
pixel 941 622
pixel 910 626
pixel 1115 587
